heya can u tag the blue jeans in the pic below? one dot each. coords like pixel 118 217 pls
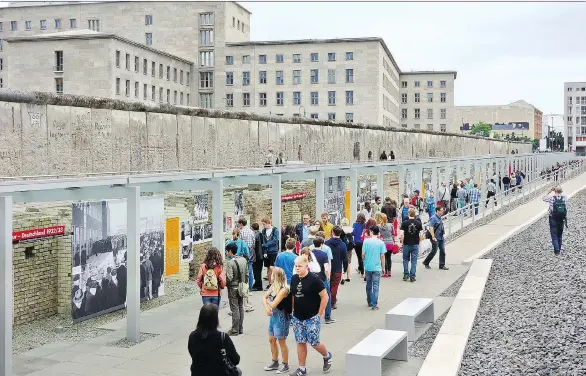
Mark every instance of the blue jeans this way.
pixel 410 253
pixel 474 206
pixel 372 283
pixel 250 276
pixel 556 230
pixel 211 300
pixel 328 314
pixel 506 186
pixel 441 244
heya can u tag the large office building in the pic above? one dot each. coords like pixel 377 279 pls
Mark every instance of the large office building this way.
pixel 520 118
pixel 200 54
pixel 575 115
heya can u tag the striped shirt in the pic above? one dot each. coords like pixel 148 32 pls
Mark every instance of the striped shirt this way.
pixel 247 235
pixel 551 199
pixel 475 195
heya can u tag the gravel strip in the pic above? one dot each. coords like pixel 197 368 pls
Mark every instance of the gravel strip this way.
pixel 420 348
pixel 452 291
pixel 532 318
pixel 41 332
pixel 125 343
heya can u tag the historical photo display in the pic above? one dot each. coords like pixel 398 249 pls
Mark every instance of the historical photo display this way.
pixel 99 259
pixel 238 203
pixel 187 230
pixel 201 207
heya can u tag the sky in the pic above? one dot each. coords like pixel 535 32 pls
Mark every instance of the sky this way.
pixel 502 51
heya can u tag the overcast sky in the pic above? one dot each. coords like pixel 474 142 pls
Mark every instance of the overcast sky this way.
pixel 503 52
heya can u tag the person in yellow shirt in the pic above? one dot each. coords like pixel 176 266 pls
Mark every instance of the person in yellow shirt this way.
pixel 327 226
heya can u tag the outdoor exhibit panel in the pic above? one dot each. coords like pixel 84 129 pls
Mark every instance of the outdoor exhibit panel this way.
pixel 99 261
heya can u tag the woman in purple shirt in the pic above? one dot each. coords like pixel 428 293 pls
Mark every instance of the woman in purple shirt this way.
pixel 358 228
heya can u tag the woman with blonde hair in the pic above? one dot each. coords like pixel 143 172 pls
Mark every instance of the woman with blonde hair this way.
pixel 278 305
pixel 387 233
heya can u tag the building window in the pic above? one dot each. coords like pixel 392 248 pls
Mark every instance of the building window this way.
pixel 144 91
pixel 181 99
pixel 58 61
pixel 206 38
pixel 280 98
pixel 238 25
pixel 443 128
pixel 1 45
pixel 331 56
pixel 43 24
pixel 229 60
pixel 430 97
pixel 349 117
pixel 417 113
pixel 403 84
pixel 403 125
pixel 430 127
pixel 72 23
pixel 331 98
pixel 229 78
pixel 332 116
pixel 168 73
pixel 279 78
pixel 57 24
pixel 181 77
pixel 416 83
pixel 430 113
pixel 417 97
pixel 349 75
pixel 13 25
pixel 148 19
pixel 569 89
pixel 127 61
pixel 443 97
pixel 296 58
pixel 229 100
pixel 404 98
pixel 206 100
pixel 262 59
pixel 349 55
pixel 136 89
pixel 1 26
pixel 206 58
pixel 331 76
pixel 153 93
pixel 314 76
pixel 94 24
pixel 403 113
pixel 443 84
pixel 246 59
pixel 206 19
pixel 145 66
pixel 127 91
pixel 174 74
pixel 160 95
pixel 1 64
pixel 314 116
pixel 59 85
pixel 148 39
pixel 117 85
pixel 416 126
pixel 262 97
pixel 279 58
pixel 296 77
pixel 233 21
pixel 246 99
pixel 161 71
pixel 28 25
pixel 187 78
pixel 350 97
pixel 442 113
pixel 314 98
pixel 314 56
pixel 206 80
pixel 175 97
pixel 297 98
pixel 136 64
pixel 429 83
pixel 262 77
pixel 245 78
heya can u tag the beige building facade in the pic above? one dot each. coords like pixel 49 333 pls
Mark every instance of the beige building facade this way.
pixel 575 115
pixel 520 118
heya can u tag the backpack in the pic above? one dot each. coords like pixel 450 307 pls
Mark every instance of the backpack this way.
pixel 210 280
pixel 559 210
pixel 412 228
pixel 348 239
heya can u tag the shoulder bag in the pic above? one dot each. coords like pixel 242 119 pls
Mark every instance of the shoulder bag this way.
pixel 242 285
pixel 229 368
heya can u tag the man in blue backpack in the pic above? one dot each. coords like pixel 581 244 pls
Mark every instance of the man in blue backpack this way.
pixel 557 217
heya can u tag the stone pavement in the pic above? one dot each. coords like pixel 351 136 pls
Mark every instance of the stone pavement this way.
pixel 166 354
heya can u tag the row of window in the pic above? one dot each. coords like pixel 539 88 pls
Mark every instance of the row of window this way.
pixel 579 100
pixel 280 77
pixel 443 127
pixel 418 84
pixel 240 24
pixel 296 98
pixel 577 89
pixel 579 109
pixel 417 97
pixel 145 96
pixel 280 58
pixel 145 68
pixel 93 24
pixel 417 113
pixel 580 120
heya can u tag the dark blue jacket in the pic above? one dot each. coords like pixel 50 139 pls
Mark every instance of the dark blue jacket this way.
pixel 271 245
pixel 339 255
pixel 358 229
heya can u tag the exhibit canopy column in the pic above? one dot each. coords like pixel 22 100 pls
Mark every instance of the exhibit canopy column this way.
pixel 133 264
pixel 353 194
pixel 319 194
pixel 380 183
pixel 218 215
pixel 6 285
pixel 276 200
pixel 401 185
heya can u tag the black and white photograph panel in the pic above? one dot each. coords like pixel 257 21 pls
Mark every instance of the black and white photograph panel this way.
pixel 152 247
pixel 208 234
pixel 186 241
pixel 201 207
pixel 238 204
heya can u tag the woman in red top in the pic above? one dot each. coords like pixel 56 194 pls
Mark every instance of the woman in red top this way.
pixel 211 278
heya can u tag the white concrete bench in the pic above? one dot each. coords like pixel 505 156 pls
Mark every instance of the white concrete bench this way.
pixel 410 310
pixel 366 357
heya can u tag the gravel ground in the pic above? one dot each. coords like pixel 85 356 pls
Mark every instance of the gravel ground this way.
pixel 452 291
pixel 420 348
pixel 532 318
pixel 127 344
pixel 42 332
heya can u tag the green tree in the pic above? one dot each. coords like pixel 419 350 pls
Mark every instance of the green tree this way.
pixel 481 128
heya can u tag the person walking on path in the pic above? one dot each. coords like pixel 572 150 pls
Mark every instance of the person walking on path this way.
pixel 435 227
pixel 373 254
pixel 461 194
pixel 211 278
pixel 358 228
pixel 339 262
pixel 491 192
pixel 326 225
pixel 443 196
pixel 557 217
pixel 324 258
pixel 302 229
pixel 270 245
pixel 236 272
pixel 377 205
pixel 259 262
pixel 388 237
pixel 411 228
pixel 348 239
pixel 286 260
pixel 474 199
pixel 277 304
pixel 309 304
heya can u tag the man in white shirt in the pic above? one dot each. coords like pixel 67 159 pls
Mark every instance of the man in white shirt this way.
pixel 491 192
pixel 444 196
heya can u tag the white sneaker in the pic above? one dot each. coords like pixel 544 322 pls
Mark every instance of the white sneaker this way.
pixel 249 294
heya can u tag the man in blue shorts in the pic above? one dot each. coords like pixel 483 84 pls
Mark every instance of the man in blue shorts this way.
pixel 309 303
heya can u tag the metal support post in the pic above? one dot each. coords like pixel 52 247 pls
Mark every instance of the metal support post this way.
pixel 401 185
pixel 133 264
pixel 218 215
pixel 6 285
pixel 353 194
pixel 434 182
pixel 319 194
pixel 380 184
pixel 276 200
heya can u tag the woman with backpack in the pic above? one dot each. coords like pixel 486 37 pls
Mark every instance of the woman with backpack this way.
pixel 388 237
pixel 278 306
pixel 348 239
pixel 357 230
pixel 211 278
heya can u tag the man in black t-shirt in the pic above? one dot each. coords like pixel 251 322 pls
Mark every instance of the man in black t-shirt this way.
pixel 411 228
pixel 309 303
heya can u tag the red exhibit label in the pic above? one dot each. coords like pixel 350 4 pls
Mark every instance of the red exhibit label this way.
pixel 36 233
pixel 293 196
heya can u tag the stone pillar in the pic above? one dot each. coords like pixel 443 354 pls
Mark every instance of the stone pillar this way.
pixel 6 285
pixel 218 215
pixel 434 182
pixel 133 264
pixel 353 195
pixel 402 174
pixel 319 194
